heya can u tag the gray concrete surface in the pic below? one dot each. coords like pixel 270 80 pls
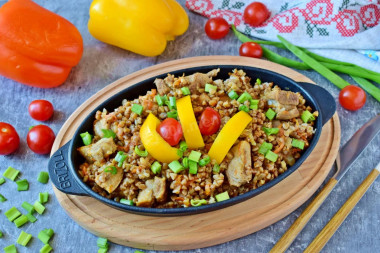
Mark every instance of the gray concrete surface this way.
pixel 102 64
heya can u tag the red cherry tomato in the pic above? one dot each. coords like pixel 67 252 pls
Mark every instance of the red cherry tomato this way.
pixel 40 139
pixel 171 130
pixel 352 97
pixel 251 49
pixel 41 110
pixel 255 14
pixel 9 139
pixel 209 122
pixel 217 28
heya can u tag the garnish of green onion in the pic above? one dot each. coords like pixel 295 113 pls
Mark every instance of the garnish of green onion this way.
pixel 100 250
pixel 244 108
pixel 28 207
pixel 140 152
pixel 216 168
pixel 307 116
pixel 31 218
pixel 43 177
pixel 107 133
pixel 102 242
pixel 233 95
pixel 1 234
pixel 210 87
pixel 49 232
pixel 194 156
pixel 172 103
pixel 138 109
pixel 46 249
pixel 139 251
pixel 270 131
pixel 12 214
pixel 193 167
pixel 43 197
pixel 176 167
pixel 265 147
pixel 22 185
pixel 270 114
pixel 271 156
pixel 185 162
pixel 156 167
pixel 298 144
pixel 179 152
pixel 120 158
pixel 126 202
pixel 172 114
pixel 222 196
pixel 244 97
pixel 10 249
pixel 45 235
pixel 198 202
pixel 2 198
pixel 2 180
pixel 159 100
pixel 24 238
pixel 254 104
pixel 183 146
pixel 204 161
pixel 11 173
pixel 185 91
pixel 254 107
pixel 86 138
pixel 39 207
pixel 111 169
pixel 258 81
pixel 20 221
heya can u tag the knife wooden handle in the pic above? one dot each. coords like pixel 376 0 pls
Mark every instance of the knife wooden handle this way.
pixel 324 236
pixel 302 220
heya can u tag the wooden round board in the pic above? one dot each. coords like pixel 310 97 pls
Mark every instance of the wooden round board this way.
pixel 206 229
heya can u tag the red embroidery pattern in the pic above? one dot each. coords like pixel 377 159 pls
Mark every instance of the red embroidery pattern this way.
pixel 286 22
pixel 318 12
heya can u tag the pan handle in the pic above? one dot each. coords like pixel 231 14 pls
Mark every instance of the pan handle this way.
pixel 60 173
pixel 324 99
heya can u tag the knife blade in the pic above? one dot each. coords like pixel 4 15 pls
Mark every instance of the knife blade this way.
pixel 346 156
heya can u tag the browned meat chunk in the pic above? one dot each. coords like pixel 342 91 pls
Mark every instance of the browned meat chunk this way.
pixel 162 88
pixel 109 181
pixel 145 197
pixel 159 189
pixel 99 125
pixel 288 114
pixel 239 170
pixel 99 150
pixel 198 80
pixel 283 97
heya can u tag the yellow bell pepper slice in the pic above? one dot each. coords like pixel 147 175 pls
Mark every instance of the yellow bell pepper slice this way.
pixel 228 135
pixel 189 124
pixel 154 143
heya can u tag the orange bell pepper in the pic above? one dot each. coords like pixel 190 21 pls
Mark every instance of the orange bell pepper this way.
pixel 37 47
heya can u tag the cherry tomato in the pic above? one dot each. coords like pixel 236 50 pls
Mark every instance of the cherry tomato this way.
pixel 9 139
pixel 352 97
pixel 171 130
pixel 255 14
pixel 41 110
pixel 209 122
pixel 40 139
pixel 217 28
pixel 251 49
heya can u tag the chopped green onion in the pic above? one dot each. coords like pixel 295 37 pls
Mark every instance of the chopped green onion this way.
pixel 176 167
pixel 193 167
pixel 172 103
pixel 233 95
pixel 185 91
pixel 185 162
pixel 10 249
pixel 244 108
pixel 46 249
pixel 156 167
pixel 271 156
pixel 254 101
pixel 172 114
pixel 179 152
pixel 107 133
pixel 12 214
pixel 183 146
pixel 222 196
pixel 2 180
pixel 254 107
pixel 244 97
pixel 2 198
pixel 43 197
pixel 44 236
pixel 194 156
pixel 39 207
pixel 11 173
pixel 258 81
pixel 102 242
pixel 22 185
pixel 31 218
pixel 28 207
pixel 307 116
pixel 298 144
pixel 126 202
pixel 204 161
pixel 20 221
pixel 270 131
pixel 159 100
pixel 216 168
pixel 100 250
pixel 270 114
pixel 140 152
pixel 120 158
pixel 164 99
pixel 136 108
pixel 198 202
pixel 24 238
pixel 139 251
pixel 86 138
pixel 43 177
pixel 111 169
pixel 1 234
pixel 49 232
pixel 210 87
pixel 265 147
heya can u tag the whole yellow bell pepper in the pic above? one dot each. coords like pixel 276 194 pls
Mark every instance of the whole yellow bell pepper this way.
pixel 140 26
pixel 154 143
pixel 228 135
